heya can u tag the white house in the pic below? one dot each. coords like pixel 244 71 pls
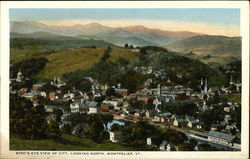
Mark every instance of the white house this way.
pixel 149 141
pixel 74 107
pixel 115 136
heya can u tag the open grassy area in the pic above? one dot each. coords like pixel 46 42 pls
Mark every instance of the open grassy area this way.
pixel 80 59
pixel 236 97
pixel 70 61
pixel 67 143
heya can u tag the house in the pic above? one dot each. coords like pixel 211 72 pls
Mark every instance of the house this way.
pixel 68 95
pixel 165 117
pixel 229 128
pixel 150 113
pixel 106 106
pixel 213 90
pixel 145 99
pixel 115 103
pixel 115 136
pixel 179 122
pixel 139 114
pixel 181 97
pixel 93 107
pixel 148 82
pixel 227 118
pixel 121 91
pixel 37 86
pixel 52 96
pixel 226 109
pixel 43 94
pixel 200 125
pixel 213 127
pixel 149 141
pixel 83 107
pixel 30 95
pixel 156 118
pixel 164 146
pixel 219 137
pixel 75 107
pixel 49 108
pixel 49 117
pixel 23 90
pixel 191 122
pixel 80 129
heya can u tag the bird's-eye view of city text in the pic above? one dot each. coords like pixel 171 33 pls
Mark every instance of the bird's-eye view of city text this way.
pixel 165 79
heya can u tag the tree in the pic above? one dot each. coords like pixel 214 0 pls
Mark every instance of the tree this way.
pixel 67 129
pixel 55 121
pixel 25 120
pixel 110 92
pixel 206 147
pixel 95 130
pixel 131 47
pixel 126 45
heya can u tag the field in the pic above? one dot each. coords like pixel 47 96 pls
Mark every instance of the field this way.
pixel 80 59
pixel 67 143
pixel 233 97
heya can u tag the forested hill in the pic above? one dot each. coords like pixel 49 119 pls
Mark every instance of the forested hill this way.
pixel 66 59
pixel 208 45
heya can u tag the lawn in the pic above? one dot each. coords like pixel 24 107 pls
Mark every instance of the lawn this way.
pixel 233 97
pixel 67 143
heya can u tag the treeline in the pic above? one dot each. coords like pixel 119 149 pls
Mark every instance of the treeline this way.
pixel 28 67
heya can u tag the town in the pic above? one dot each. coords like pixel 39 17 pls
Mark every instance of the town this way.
pixel 158 117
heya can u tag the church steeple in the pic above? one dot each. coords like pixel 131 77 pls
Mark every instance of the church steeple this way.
pixel 205 87
pixel 231 79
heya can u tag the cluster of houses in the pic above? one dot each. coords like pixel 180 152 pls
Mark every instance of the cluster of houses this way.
pixel 84 103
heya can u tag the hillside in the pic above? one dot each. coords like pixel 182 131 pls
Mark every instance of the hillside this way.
pixel 158 32
pixel 33 45
pixel 63 62
pixel 208 45
pixel 82 59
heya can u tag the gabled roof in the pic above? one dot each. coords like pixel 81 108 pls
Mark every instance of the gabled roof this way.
pixel 221 135
pixel 93 104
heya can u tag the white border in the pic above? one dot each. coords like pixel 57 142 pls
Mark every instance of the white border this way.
pixel 243 5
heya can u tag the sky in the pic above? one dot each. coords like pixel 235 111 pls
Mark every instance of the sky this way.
pixel 214 21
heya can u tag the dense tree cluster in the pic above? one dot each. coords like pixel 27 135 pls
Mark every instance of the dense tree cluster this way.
pixel 28 67
pixel 26 120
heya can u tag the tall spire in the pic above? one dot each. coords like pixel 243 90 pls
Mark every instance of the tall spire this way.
pixel 205 88
pixel 231 79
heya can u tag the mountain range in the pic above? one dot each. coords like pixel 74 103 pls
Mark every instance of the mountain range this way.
pixel 179 41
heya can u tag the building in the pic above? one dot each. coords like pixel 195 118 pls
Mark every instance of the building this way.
pixel 149 141
pixel 191 122
pixel 19 76
pixel 121 91
pixel 106 106
pixel 115 136
pixel 23 90
pixel 37 86
pixel 164 146
pixel 74 107
pixel 146 99
pixel 52 95
pixel 93 107
pixel 179 122
pixel 219 137
pixel 80 129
